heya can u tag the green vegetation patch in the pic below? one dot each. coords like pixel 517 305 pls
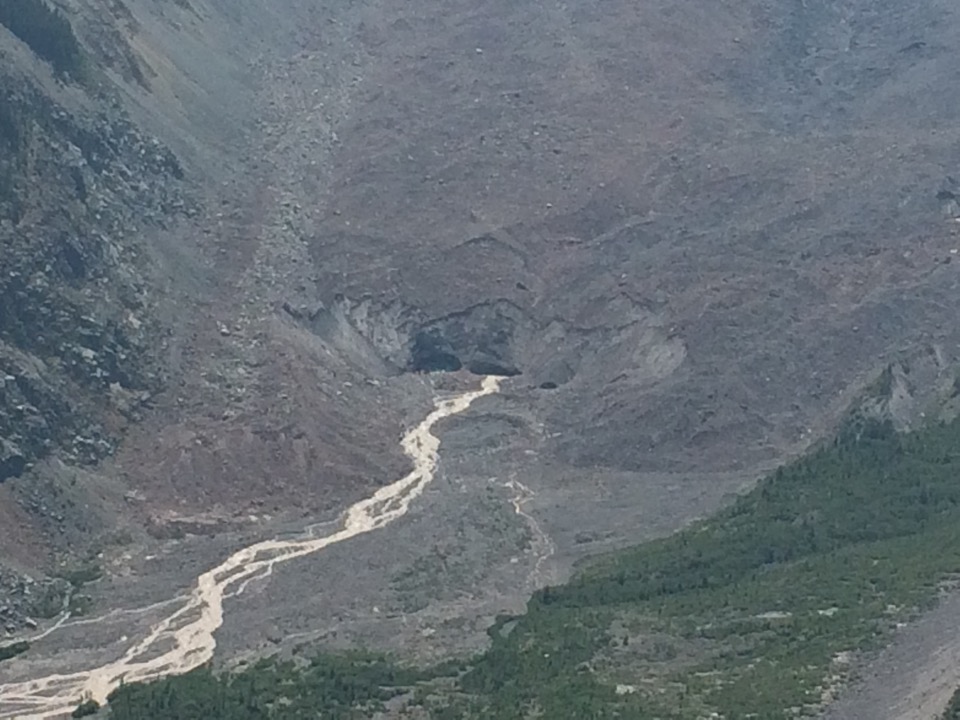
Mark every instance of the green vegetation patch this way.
pixel 353 685
pixel 85 709
pixel 759 603
pixel 752 613
pixel 10 651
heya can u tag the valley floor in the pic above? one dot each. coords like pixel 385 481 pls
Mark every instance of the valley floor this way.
pixel 698 252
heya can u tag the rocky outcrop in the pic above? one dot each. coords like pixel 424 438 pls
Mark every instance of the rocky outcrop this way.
pixel 24 599
pixel 79 186
pixel 12 460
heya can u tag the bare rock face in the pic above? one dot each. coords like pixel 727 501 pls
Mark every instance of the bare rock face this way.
pixel 80 187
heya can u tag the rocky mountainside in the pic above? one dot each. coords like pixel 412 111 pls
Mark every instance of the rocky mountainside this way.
pixel 81 187
pixel 235 233
pixel 122 203
pixel 79 333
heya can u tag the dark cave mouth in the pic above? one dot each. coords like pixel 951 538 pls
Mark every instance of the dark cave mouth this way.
pixel 433 352
pixel 435 362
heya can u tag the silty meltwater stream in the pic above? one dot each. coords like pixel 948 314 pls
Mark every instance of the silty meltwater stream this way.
pixel 185 639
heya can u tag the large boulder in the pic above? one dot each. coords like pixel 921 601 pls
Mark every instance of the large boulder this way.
pixel 12 461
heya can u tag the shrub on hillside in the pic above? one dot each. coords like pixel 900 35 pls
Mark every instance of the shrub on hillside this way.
pixel 11 651
pixel 85 709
